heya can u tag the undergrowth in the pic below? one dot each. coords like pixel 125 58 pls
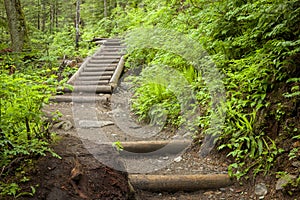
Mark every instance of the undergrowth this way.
pixel 256 46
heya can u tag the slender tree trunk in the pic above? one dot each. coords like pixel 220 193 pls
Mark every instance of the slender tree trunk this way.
pixel 56 13
pixel 51 12
pixel 44 15
pixel 77 24
pixel 17 25
pixel 105 8
pixel 39 15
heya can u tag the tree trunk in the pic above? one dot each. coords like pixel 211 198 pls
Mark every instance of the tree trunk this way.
pixel 77 24
pixel 44 15
pixel 38 15
pixel 17 25
pixel 51 12
pixel 105 8
pixel 56 14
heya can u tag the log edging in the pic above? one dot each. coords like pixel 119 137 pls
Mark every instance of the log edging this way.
pixel 175 183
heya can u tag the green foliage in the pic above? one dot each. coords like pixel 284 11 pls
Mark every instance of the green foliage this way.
pixel 254 43
pixel 152 98
pixel 118 146
pixel 23 132
pixel 295 89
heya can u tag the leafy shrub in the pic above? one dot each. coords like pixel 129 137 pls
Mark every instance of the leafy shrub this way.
pixel 23 132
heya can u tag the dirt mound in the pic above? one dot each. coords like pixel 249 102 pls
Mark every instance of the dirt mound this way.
pixel 77 175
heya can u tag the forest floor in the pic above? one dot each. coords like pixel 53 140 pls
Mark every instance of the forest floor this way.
pixel 54 177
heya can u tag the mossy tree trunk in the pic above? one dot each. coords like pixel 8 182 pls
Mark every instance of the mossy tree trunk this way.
pixel 17 25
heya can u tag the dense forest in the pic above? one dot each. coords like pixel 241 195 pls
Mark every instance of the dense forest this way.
pixel 254 44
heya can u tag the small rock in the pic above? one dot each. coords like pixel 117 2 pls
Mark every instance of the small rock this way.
pixel 58 125
pixel 114 135
pixel 208 193
pixel 283 181
pixel 222 189
pixel 296 164
pixel 261 190
pixel 67 125
pixel 239 191
pixel 178 159
pixel 296 144
pixel 188 135
pixel 164 158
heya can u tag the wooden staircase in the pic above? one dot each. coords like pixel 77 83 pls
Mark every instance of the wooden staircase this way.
pixel 100 72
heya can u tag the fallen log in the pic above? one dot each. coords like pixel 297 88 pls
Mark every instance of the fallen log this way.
pixel 174 183
pixel 79 99
pixel 87 89
pixel 164 146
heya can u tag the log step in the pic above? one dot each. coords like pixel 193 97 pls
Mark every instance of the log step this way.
pixel 109 53
pixel 174 183
pixel 88 89
pixel 101 65
pixel 110 49
pixel 107 57
pixel 79 99
pixel 92 78
pixel 166 146
pixel 107 43
pixel 102 82
pixel 94 61
pixel 98 69
pixel 101 73
pixel 113 46
pixel 108 60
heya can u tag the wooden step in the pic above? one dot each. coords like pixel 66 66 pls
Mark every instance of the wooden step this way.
pixel 89 89
pixel 79 99
pixel 98 69
pixel 95 61
pixel 109 42
pixel 92 78
pixel 167 146
pixel 174 183
pixel 109 53
pixel 96 82
pixel 101 65
pixel 112 49
pixel 107 57
pixel 101 73
pixel 113 46
pixel 113 43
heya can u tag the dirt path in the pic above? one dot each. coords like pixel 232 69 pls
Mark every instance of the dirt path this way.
pixel 79 143
pixel 69 146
